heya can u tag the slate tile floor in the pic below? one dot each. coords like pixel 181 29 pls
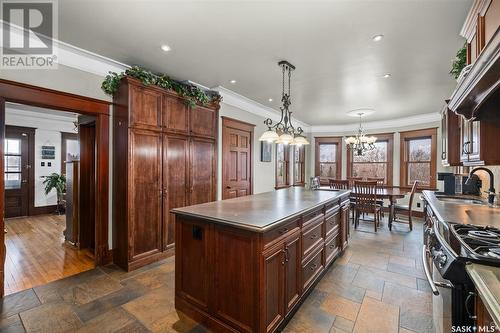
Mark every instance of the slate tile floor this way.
pixel 377 285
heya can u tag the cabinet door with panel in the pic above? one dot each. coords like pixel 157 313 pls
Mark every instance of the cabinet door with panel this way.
pixel 175 181
pixel 202 171
pixel 145 193
pixel 293 258
pixel 203 122
pixel 175 115
pixel 344 226
pixel 274 280
pixel 145 108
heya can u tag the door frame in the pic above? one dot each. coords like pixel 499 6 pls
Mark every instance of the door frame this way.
pixel 31 160
pixel 242 126
pixel 16 92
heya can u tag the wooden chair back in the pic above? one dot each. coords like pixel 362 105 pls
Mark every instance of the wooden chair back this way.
pixel 412 194
pixel 366 195
pixel 339 184
pixel 380 180
pixel 351 180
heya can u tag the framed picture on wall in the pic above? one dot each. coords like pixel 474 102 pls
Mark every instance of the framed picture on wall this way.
pixel 266 151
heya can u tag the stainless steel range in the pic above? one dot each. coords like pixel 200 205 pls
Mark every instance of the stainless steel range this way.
pixel 448 248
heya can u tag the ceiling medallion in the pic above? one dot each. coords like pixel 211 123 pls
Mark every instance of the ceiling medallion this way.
pixel 283 131
pixel 360 143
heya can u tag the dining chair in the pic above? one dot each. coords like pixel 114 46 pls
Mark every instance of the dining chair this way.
pixel 351 180
pixel 380 182
pixel 406 209
pixel 366 201
pixel 338 184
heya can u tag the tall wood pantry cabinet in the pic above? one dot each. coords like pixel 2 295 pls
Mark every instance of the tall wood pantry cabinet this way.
pixel 164 157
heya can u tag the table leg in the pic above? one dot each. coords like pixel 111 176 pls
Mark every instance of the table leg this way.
pixel 391 212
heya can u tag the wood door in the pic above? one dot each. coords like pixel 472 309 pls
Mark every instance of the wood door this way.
pixel 202 171
pixel 203 121
pixel 145 108
pixel 274 280
pixel 175 115
pixel 175 182
pixel 87 183
pixel 18 174
pixel 237 153
pixel 293 267
pixel 145 193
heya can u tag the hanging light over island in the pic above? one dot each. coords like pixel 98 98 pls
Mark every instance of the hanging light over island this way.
pixel 283 131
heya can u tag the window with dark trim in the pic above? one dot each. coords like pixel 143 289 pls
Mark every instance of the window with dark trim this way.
pixel 282 165
pixel 418 158
pixel 376 163
pixel 299 173
pixel 328 158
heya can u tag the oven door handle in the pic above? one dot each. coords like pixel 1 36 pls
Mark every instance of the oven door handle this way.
pixel 433 284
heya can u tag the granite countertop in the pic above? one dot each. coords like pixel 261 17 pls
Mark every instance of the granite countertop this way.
pixel 463 213
pixel 260 212
pixel 486 280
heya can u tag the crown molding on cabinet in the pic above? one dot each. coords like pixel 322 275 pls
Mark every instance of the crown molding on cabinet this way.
pixel 479 7
pixel 420 119
pixel 232 98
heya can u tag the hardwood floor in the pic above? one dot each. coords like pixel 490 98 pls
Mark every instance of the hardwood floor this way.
pixel 36 253
pixel 377 285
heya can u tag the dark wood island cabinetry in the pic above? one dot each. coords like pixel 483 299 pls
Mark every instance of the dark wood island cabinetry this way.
pixel 245 264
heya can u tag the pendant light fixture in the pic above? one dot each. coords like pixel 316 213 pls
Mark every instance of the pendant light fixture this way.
pixel 360 143
pixel 283 131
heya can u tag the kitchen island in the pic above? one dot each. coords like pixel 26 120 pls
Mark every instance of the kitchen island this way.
pixel 245 264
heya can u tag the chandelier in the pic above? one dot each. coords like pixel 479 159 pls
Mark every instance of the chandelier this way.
pixel 283 131
pixel 360 143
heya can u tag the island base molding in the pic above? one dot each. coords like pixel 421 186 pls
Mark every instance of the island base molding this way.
pixel 232 279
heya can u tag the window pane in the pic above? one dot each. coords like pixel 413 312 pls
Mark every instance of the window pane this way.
pixel 280 152
pixel 370 170
pixel 13 146
pixel 280 173
pixel 13 163
pixel 296 172
pixel 420 172
pixel 378 154
pixel 72 148
pixel 12 180
pixel 328 170
pixel 419 149
pixel 327 152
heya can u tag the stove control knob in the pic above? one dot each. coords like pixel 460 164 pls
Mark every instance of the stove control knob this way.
pixel 442 259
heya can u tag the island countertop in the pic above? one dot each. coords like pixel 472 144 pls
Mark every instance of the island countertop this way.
pixel 260 212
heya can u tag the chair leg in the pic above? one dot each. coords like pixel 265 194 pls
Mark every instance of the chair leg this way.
pixel 410 221
pixel 375 218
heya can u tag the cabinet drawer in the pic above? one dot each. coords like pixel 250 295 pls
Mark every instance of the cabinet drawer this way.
pixel 312 216
pixel 312 269
pixel 275 234
pixel 311 237
pixel 332 223
pixel 331 207
pixel 332 247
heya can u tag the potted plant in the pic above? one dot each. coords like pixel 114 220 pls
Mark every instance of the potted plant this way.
pixel 58 182
pixel 459 63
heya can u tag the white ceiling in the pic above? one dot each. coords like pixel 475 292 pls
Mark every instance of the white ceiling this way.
pixel 339 67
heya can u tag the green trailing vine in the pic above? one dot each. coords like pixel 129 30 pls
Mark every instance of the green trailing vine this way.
pixel 459 62
pixel 191 93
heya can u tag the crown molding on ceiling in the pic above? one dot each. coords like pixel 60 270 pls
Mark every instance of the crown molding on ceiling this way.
pixel 232 98
pixel 420 119
pixel 75 57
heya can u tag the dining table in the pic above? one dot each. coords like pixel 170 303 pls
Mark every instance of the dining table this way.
pixel 390 193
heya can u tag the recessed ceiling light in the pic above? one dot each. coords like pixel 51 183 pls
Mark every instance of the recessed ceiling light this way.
pixel 377 38
pixel 233 81
pixel 270 99
pixel 165 47
pixel 388 75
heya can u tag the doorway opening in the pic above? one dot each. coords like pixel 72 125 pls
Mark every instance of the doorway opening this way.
pixel 50 185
